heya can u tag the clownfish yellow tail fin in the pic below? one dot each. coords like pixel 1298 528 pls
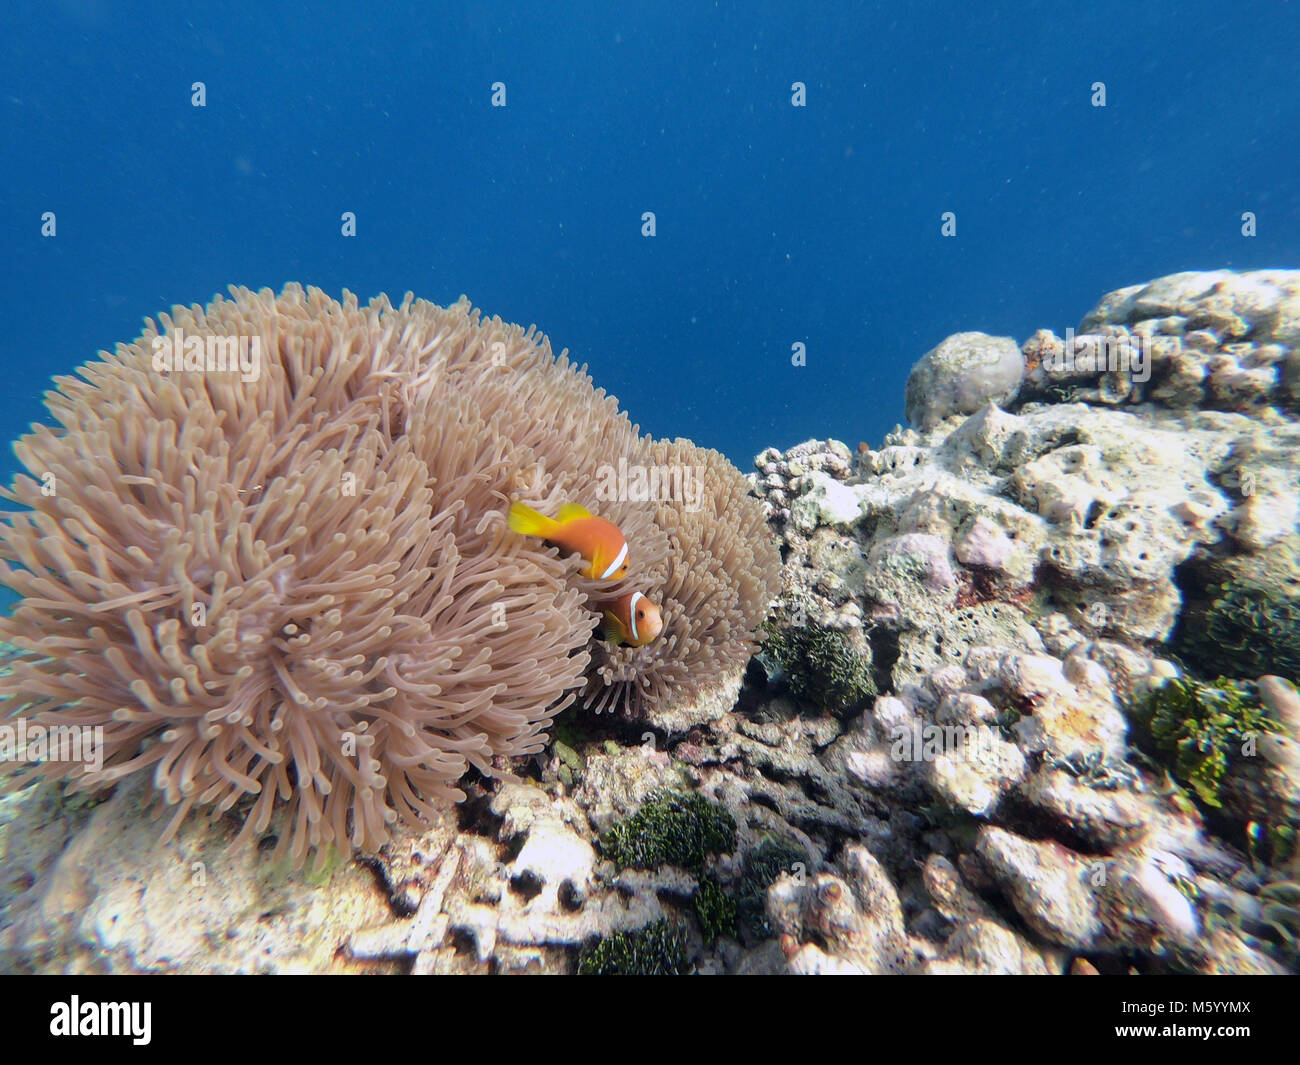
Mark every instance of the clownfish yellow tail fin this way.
pixel 524 519
pixel 572 512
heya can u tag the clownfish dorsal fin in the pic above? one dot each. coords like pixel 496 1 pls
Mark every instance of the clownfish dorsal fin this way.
pixel 572 512
pixel 524 519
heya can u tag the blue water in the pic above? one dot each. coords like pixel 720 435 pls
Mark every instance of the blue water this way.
pixel 776 224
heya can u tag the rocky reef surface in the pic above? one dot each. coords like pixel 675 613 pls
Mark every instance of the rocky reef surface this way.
pixel 1026 704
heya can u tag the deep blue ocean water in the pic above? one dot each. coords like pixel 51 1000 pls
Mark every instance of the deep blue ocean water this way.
pixel 775 224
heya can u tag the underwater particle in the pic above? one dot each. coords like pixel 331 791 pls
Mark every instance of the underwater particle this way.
pixel 820 666
pixel 656 950
pixel 1202 726
pixel 715 910
pixel 671 828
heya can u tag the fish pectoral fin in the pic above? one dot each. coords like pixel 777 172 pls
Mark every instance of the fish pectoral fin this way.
pixel 611 631
pixel 524 519
pixel 572 512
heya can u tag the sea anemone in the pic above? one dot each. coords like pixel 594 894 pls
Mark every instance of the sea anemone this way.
pixel 714 586
pixel 292 585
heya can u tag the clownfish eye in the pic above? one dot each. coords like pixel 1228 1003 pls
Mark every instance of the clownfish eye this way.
pixel 640 614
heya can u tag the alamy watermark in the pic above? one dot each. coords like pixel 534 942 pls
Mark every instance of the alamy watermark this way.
pixel 1092 353
pixel 643 484
pixel 208 354
pixel 23 742
pixel 77 1018
pixel 917 742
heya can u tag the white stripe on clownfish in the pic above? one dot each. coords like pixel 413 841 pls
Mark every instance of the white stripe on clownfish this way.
pixel 631 615
pixel 632 619
pixel 613 566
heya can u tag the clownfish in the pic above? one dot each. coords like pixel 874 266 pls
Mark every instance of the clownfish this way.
pixel 632 619
pixel 576 529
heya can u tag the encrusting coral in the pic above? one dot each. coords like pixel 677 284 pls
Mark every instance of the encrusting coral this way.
pixel 295 585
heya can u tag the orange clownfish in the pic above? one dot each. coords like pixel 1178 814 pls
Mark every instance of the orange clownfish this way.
pixel 632 619
pixel 576 529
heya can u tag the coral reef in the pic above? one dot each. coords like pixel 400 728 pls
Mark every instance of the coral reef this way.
pixel 1072 590
pixel 762 865
pixel 1245 630
pixel 829 669
pixel 961 375
pixel 671 829
pixel 657 950
pixel 1203 726
pixel 715 910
